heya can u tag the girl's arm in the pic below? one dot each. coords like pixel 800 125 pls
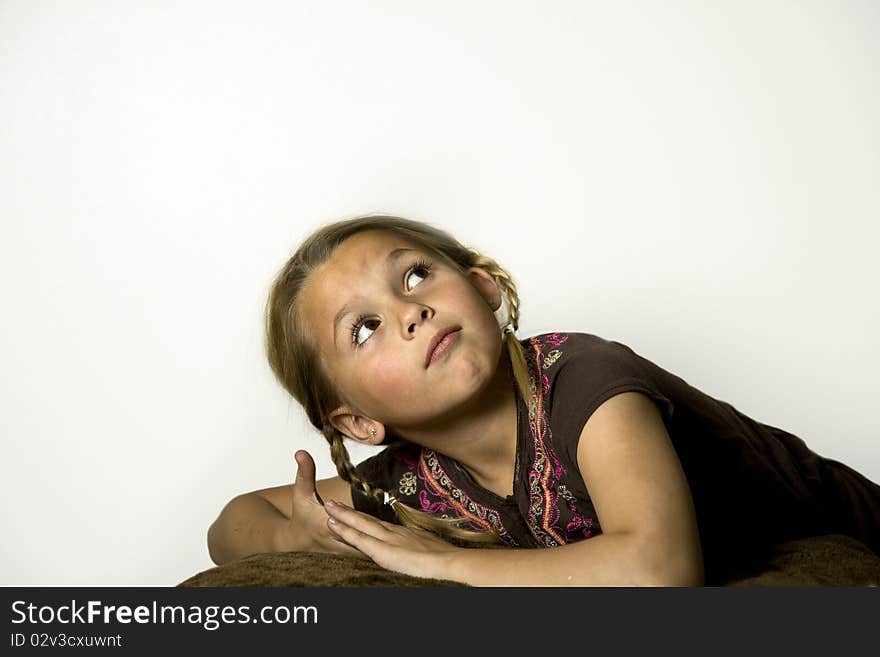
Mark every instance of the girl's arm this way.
pixel 283 518
pixel 641 496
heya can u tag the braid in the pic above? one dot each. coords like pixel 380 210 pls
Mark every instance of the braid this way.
pixel 514 348
pixel 339 454
pixel 504 280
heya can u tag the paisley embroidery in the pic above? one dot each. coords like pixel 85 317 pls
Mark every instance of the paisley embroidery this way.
pixel 407 484
pixel 551 358
pixel 579 523
pixel 545 467
pixel 439 485
pixel 546 492
pixel 431 507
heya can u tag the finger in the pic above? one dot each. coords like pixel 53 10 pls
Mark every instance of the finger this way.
pixel 364 542
pixel 363 522
pixel 304 484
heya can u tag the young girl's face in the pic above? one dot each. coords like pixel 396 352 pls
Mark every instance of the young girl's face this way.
pixel 373 309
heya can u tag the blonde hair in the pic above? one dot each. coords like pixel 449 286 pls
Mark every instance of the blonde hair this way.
pixel 296 365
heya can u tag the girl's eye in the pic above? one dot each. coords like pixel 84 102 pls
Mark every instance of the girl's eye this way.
pixel 362 323
pixel 365 326
pixel 422 269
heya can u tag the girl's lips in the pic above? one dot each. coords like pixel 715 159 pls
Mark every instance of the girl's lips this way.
pixel 443 346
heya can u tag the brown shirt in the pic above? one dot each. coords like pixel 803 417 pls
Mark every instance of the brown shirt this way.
pixel 752 484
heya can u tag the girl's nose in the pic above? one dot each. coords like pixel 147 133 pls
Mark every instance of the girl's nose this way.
pixel 423 315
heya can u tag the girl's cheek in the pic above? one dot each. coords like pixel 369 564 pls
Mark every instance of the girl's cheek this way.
pixel 391 380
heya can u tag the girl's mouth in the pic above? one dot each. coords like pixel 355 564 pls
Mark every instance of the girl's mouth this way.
pixel 443 346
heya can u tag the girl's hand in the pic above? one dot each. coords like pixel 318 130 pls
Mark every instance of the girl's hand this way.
pixel 306 529
pixel 415 552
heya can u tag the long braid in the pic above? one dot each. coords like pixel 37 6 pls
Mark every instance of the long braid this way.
pixel 342 461
pixel 514 348
pixel 504 280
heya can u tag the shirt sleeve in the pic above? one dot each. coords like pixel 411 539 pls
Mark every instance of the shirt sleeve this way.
pixel 593 371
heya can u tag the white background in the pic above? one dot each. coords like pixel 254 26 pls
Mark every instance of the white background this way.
pixel 696 180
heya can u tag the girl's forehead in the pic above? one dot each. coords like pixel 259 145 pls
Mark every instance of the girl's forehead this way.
pixel 371 243
pixel 370 251
pixel 356 265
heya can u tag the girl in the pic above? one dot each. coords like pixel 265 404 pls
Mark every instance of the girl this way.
pixel 390 332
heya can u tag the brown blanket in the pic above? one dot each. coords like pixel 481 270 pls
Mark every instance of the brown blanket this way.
pixel 831 560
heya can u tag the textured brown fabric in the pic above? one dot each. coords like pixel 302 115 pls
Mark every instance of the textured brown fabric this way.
pixel 305 569
pixel 830 560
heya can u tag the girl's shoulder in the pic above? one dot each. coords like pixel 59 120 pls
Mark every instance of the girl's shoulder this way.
pixel 559 347
pixel 579 371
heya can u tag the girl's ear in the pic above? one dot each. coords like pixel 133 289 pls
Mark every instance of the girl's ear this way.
pixel 486 286
pixel 357 427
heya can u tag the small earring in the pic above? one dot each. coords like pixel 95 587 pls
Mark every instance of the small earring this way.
pixel 372 432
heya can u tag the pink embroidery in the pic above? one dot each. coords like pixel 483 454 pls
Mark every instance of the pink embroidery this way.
pixel 582 524
pixel 428 506
pixel 555 339
pixel 546 471
pixel 543 508
pixel 441 486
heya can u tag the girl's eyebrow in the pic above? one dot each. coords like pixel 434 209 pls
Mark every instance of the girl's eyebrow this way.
pixel 390 261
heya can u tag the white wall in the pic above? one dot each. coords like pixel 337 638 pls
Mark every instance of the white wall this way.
pixel 696 180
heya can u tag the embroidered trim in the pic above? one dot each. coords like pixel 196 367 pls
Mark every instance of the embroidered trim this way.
pixel 407 484
pixel 551 358
pixel 579 522
pixel 546 470
pixel 440 485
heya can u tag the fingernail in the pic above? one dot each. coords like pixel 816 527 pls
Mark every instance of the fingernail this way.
pixel 329 503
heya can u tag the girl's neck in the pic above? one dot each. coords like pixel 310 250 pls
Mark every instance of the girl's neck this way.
pixel 482 436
